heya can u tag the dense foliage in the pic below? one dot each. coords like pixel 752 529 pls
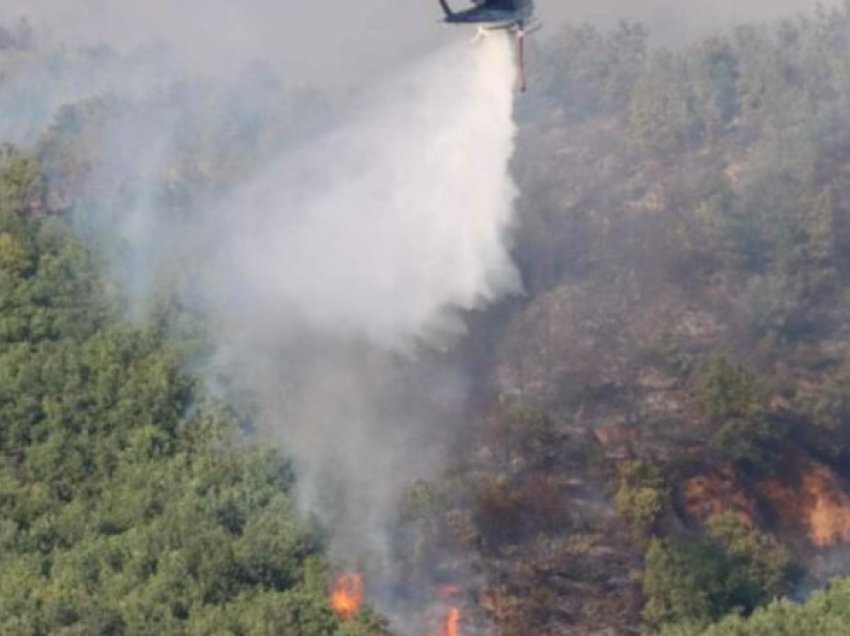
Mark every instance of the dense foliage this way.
pixel 127 502
pixel 734 568
pixel 641 496
pixel 684 239
pixel 826 613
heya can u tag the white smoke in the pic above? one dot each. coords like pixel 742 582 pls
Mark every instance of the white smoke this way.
pixel 328 273
pixel 386 226
pixel 331 269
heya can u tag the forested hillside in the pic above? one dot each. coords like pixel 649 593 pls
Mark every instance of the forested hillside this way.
pixel 130 500
pixel 664 439
pixel 658 428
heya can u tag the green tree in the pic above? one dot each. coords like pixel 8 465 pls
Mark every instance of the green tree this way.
pixel 662 117
pixel 642 496
pixel 713 71
pixel 684 582
pixel 828 406
pixel 130 503
pixel 760 565
pixel 826 613
pixel 689 584
pixel 736 407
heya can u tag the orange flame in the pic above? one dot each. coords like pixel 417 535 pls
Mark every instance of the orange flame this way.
pixel 821 502
pixel 347 595
pixel 828 508
pixel 451 626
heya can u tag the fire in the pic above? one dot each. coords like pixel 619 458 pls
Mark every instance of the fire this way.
pixel 451 626
pixel 828 508
pixel 820 502
pixel 347 595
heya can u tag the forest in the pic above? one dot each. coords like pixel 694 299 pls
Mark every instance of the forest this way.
pixel 659 432
pixel 125 511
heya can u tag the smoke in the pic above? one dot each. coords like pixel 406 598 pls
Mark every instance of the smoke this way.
pixel 316 42
pixel 334 42
pixel 333 268
pixel 671 22
pixel 379 227
pixel 331 265
pixel 332 261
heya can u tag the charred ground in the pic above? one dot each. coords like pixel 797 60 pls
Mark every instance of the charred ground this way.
pixel 660 435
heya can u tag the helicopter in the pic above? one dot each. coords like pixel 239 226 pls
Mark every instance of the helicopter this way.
pixel 499 15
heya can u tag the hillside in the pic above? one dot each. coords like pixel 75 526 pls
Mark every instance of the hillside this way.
pixel 657 431
pixel 665 440
pixel 130 502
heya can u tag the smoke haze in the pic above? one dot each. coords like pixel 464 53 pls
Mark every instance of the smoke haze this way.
pixel 341 42
pixel 375 228
pixel 328 269
pixel 342 257
pixel 672 22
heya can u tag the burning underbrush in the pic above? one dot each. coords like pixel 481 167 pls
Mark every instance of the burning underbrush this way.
pixel 818 504
pixel 707 495
pixel 808 500
pixel 347 595
pixel 451 625
pixel 441 616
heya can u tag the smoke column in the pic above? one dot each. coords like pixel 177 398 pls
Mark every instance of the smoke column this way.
pixel 329 273
pixel 346 258
pixel 381 226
